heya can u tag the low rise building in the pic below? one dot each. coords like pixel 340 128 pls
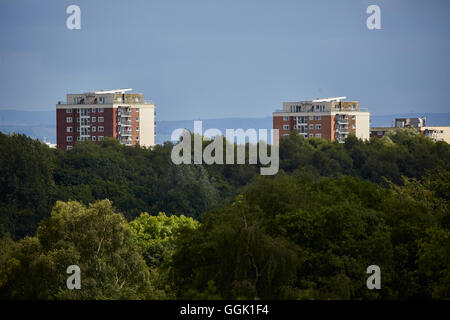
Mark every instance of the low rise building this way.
pixel 437 133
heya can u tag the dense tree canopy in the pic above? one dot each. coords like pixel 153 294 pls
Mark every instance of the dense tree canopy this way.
pixel 308 232
pixel 95 238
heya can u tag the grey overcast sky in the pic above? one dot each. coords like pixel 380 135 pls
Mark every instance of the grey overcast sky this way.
pixel 227 58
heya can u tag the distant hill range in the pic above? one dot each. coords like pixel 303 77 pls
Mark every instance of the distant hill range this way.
pixel 42 124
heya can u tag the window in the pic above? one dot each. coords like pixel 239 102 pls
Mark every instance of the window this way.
pixel 69 110
pixel 69 129
pixel 100 109
pixel 78 138
pixel 101 129
pixel 318 117
pixel 101 99
pixel 318 135
pixel 137 109
pixel 69 138
pixel 94 110
pixel 94 129
pixel 69 119
pixel 137 138
pixel 353 126
pixel 93 119
pixel 311 127
pixel 286 118
pixel 286 127
pixel 286 135
pixel 353 117
pixel 69 148
pixel 137 128
pixel 318 126
pixel 100 138
pixel 137 119
pixel 311 117
pixel 78 119
pixel 353 107
pixel 101 119
pixel 78 129
pixel 311 135
pixel 94 138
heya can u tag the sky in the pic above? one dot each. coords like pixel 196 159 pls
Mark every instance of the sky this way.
pixel 200 59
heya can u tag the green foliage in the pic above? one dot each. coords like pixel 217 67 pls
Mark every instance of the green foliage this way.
pixel 309 232
pixel 231 250
pixel 95 238
pixel 404 152
pixel 434 261
pixel 318 238
pixel 26 184
pixel 155 236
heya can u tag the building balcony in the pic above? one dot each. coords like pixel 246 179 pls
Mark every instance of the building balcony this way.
pixel 124 123
pixel 342 121
pixel 126 142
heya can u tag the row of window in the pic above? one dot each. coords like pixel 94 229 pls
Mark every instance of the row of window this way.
pixel 353 107
pixel 311 127
pixel 297 108
pixel 85 122
pixel 94 110
pixel 83 100
pixel 317 135
pixel 94 129
pixel 94 138
pixel 286 118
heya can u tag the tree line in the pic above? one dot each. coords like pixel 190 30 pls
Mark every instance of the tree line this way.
pixel 308 232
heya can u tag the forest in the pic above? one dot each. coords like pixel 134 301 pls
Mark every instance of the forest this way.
pixel 141 227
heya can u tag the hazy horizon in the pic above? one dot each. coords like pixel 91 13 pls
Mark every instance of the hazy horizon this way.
pixel 227 59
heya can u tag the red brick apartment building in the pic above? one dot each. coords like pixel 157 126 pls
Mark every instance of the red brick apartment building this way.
pixel 96 115
pixel 329 118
